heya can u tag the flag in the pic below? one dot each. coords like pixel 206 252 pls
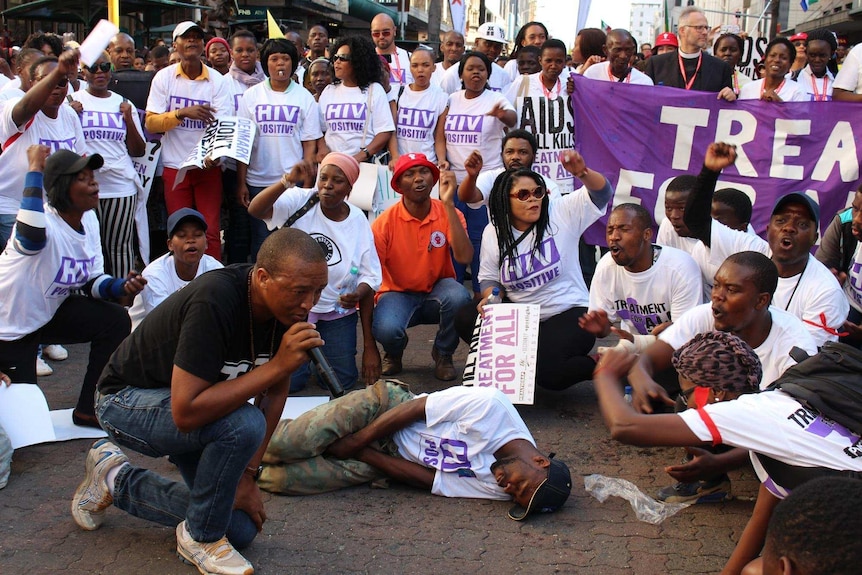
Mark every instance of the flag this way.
pixel 273 29
pixel 583 11
pixel 606 27
pixel 456 9
pixel 804 5
pixel 114 12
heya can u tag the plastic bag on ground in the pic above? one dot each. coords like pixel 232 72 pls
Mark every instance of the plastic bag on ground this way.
pixel 646 508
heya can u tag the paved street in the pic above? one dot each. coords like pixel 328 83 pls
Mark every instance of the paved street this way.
pixel 387 531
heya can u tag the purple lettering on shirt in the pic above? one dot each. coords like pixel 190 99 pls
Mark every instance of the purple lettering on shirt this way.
pixel 91 119
pixel 415 118
pixel 58 144
pixel 345 112
pixel 532 269
pixel 74 271
pixel 273 113
pixel 464 123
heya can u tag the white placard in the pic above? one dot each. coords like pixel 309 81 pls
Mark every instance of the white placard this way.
pixel 227 137
pixel 94 44
pixel 503 351
pixel 24 414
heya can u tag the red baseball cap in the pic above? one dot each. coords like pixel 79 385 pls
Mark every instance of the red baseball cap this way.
pixel 666 39
pixel 408 161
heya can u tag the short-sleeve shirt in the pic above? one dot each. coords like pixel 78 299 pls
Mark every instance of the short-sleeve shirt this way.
pixel 850 75
pixel 600 72
pixel 469 128
pixel 463 428
pixel 414 254
pixel 416 119
pixel 789 91
pixel 345 112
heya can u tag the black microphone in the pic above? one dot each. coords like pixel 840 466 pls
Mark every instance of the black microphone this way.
pixel 326 373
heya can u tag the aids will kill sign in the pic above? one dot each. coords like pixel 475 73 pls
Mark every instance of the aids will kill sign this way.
pixel 503 351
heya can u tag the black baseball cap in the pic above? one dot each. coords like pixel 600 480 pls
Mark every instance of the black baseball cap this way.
pixel 66 162
pixel 183 215
pixel 799 198
pixel 551 494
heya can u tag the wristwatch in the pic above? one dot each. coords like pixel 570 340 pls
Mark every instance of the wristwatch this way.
pixel 254 471
pixel 367 153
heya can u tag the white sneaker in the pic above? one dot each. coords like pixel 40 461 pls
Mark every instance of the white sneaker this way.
pixel 55 352
pixel 42 368
pixel 93 495
pixel 216 558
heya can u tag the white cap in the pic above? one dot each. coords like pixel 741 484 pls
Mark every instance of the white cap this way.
pixel 184 27
pixel 491 32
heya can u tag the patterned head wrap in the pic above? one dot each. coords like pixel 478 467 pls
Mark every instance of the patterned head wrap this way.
pixel 719 360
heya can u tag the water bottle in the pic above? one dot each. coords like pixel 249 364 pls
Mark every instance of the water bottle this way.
pixel 494 297
pixel 627 394
pixel 347 286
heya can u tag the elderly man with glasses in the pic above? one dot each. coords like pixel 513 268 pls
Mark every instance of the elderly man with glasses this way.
pixel 691 68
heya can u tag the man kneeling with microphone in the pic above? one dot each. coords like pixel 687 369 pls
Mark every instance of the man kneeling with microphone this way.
pixel 179 387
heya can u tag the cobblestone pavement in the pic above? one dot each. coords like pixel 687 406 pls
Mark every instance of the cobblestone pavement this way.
pixel 387 531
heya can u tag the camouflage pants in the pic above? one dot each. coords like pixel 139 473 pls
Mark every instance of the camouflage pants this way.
pixel 294 463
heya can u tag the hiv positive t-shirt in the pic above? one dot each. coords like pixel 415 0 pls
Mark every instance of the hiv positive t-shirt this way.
pixel 469 127
pixel 344 115
pixel 416 120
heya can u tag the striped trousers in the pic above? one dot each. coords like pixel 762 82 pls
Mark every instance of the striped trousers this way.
pixel 117 225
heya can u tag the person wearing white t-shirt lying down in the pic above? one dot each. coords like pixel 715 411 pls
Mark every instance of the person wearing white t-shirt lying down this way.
pixel 185 260
pixel 460 442
pixel 806 288
pixel 719 376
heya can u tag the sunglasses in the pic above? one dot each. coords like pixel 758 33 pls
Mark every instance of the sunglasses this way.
pixel 524 195
pixel 384 33
pixel 103 67
pixel 341 57
pixel 799 43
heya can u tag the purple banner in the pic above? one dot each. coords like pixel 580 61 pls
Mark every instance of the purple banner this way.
pixel 641 137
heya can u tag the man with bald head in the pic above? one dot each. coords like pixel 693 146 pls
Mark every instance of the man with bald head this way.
pixel 318 42
pixel 383 36
pixel 692 68
pixel 122 52
pixel 619 49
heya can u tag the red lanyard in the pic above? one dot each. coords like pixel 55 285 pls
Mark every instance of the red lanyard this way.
pixel 736 82
pixel 547 92
pixel 613 78
pixel 688 83
pixel 398 73
pixel 778 89
pixel 817 96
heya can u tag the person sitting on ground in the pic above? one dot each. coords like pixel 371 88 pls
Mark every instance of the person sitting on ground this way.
pixel 840 252
pixel 345 235
pixel 719 375
pixel 814 530
pixel 54 250
pixel 806 288
pixel 185 260
pixel 642 285
pixel 530 255
pixel 180 387
pixel 743 289
pixel 414 239
pixel 459 442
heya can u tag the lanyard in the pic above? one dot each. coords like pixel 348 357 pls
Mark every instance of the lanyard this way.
pixel 549 93
pixel 612 78
pixel 689 83
pixel 817 96
pixel 736 82
pixel 398 73
pixel 778 89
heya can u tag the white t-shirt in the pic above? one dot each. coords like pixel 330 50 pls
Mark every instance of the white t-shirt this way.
pixel 485 183
pixel 162 281
pixel 774 424
pixel 170 91
pixel 34 286
pixel 511 69
pixel 347 243
pixel 789 91
pixel 787 331
pixel 497 82
pixel 284 121
pixel 344 113
pixel 600 72
pixel 640 301
pixel 463 428
pixel 816 292
pixel 437 76
pixel 469 127
pixel 853 285
pixel 60 133
pixel 820 89
pixel 850 75
pixel 551 278
pixel 105 131
pixel 547 115
pixel 416 119
pixel 399 68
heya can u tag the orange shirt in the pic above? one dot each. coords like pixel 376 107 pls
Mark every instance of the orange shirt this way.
pixel 414 254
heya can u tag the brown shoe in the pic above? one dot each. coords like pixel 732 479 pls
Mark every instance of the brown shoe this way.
pixel 391 364
pixel 443 368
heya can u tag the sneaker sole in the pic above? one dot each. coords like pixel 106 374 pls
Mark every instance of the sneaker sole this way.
pixel 88 520
pixel 200 569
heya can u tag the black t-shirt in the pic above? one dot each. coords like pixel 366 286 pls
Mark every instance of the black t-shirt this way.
pixel 203 328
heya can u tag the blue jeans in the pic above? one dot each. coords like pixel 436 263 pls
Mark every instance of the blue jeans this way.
pixel 339 350
pixel 259 232
pixel 211 460
pixel 6 223
pixel 396 311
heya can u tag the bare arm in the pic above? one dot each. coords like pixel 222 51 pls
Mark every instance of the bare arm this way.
pixel 134 140
pixel 656 358
pixel 754 534
pixel 840 95
pixel 467 191
pixel 35 98
pixel 398 469
pixel 387 424
pixel 440 140
pixel 698 208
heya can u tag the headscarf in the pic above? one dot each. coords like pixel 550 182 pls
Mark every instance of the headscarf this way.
pixel 345 162
pixel 719 360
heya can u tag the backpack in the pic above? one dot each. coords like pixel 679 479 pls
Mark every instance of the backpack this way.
pixel 829 383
